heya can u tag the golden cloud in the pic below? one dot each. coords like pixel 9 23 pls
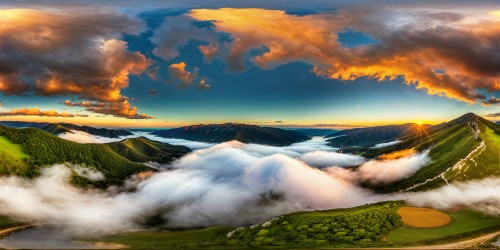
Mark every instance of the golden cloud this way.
pixel 119 109
pixel 184 78
pixel 438 52
pixel 68 53
pixel 38 112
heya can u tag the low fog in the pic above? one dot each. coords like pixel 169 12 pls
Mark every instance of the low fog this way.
pixel 84 137
pixel 231 183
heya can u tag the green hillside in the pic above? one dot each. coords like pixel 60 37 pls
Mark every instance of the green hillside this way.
pixel 372 225
pixel 144 150
pixel 32 148
pixel 360 226
pixel 12 157
pixel 449 143
pixel 367 137
pixel 59 128
pixel 463 222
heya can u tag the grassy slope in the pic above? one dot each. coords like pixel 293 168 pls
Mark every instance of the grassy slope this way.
pixel 483 163
pixel 447 148
pixel 144 150
pixel 213 237
pixel 12 157
pixel 47 149
pixel 449 143
pixel 464 221
pixel 6 222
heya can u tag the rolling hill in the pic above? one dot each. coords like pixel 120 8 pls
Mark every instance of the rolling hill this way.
pixel 143 150
pixel 216 133
pixel 59 128
pixel 24 151
pixel 465 148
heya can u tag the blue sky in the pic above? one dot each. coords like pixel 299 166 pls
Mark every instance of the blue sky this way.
pixel 289 92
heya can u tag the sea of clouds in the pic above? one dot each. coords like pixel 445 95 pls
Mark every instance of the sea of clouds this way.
pixel 230 183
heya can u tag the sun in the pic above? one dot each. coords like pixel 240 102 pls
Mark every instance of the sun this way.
pixel 419 123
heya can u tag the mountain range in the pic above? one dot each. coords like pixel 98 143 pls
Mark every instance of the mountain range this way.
pixel 217 133
pixel 364 137
pixel 60 128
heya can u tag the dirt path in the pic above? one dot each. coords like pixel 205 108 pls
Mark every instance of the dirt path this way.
pixel 13 229
pixel 463 244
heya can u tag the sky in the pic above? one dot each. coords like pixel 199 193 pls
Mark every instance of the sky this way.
pixel 277 63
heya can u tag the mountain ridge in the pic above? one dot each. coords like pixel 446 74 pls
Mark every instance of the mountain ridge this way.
pixel 60 128
pixel 217 133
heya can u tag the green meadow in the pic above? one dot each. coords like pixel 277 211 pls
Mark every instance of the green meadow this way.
pixel 463 222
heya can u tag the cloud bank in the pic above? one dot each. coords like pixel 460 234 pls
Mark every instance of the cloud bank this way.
pixel 388 171
pixel 38 112
pixel 482 195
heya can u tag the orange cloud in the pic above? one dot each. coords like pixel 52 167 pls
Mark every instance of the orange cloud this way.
pixel 119 109
pixel 438 52
pixel 73 52
pixel 184 78
pixel 38 112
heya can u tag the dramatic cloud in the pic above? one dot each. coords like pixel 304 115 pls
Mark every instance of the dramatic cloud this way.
pixel 176 32
pixel 119 109
pixel 184 78
pixel 38 112
pixel 416 48
pixel 70 52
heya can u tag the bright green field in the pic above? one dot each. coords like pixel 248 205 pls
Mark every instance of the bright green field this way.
pixel 13 149
pixel 12 157
pixel 464 221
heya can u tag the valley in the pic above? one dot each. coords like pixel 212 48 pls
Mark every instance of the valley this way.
pixel 462 150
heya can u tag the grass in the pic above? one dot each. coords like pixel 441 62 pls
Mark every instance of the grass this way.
pixel 12 157
pixel 483 163
pixel 6 222
pixel 463 221
pixel 47 149
pixel 421 217
pixel 448 146
pixel 212 237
